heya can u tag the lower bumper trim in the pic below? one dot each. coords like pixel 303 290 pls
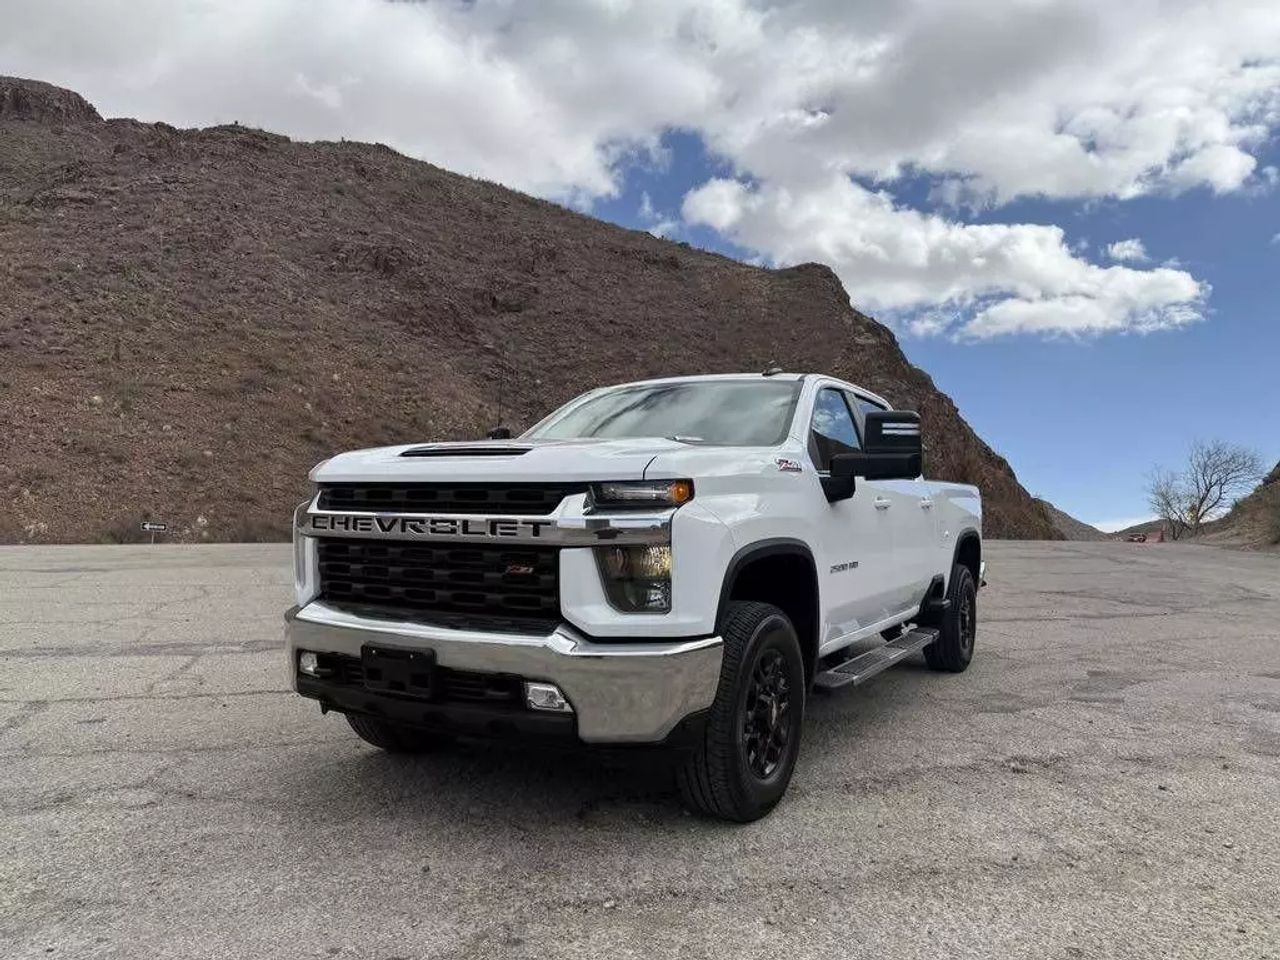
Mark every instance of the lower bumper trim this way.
pixel 463 719
pixel 620 692
pixel 480 720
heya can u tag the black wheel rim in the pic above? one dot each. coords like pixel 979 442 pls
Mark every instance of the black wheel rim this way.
pixel 968 619
pixel 766 724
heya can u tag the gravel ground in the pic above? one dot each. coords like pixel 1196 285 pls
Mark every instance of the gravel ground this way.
pixel 1103 782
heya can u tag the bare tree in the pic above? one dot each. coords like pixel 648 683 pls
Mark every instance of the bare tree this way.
pixel 1215 473
pixel 1167 498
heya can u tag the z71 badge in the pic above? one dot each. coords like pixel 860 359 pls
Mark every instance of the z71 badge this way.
pixel 789 466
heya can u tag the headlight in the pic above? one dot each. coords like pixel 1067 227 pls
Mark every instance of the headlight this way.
pixel 637 579
pixel 304 577
pixel 624 494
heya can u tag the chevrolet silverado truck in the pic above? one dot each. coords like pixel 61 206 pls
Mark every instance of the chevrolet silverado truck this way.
pixel 676 562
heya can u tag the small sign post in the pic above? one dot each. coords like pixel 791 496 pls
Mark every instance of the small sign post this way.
pixel 154 528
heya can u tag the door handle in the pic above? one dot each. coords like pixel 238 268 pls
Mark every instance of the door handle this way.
pixel 883 503
pixel 926 503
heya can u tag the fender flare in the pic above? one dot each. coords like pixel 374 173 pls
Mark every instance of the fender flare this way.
pixel 771 547
pixel 965 535
pixel 775 547
pixel 941 583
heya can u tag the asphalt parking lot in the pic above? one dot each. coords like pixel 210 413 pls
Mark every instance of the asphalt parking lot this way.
pixel 1103 782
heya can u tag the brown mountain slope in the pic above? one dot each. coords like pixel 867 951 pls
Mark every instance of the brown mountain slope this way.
pixel 190 319
pixel 1254 521
pixel 1069 526
pixel 1146 526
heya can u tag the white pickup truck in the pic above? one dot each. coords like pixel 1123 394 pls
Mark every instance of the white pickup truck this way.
pixel 676 562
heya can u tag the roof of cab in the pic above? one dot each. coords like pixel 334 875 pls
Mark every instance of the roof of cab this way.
pixel 751 376
pixel 715 376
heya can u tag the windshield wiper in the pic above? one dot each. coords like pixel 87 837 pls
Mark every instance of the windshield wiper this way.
pixel 681 439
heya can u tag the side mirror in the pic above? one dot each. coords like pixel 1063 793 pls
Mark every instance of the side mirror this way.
pixel 893 446
pixel 499 433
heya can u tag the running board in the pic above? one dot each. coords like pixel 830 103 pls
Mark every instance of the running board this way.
pixel 863 667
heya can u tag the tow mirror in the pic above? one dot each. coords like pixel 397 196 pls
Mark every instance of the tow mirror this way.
pixel 893 448
pixel 499 433
pixel 892 431
pixel 847 467
pixel 892 451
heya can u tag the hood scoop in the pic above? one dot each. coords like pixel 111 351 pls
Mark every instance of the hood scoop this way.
pixel 465 451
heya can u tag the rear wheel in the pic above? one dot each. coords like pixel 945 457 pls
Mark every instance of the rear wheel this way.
pixel 744 761
pixel 953 649
pixel 393 737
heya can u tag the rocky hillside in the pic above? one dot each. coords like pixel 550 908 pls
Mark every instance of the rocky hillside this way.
pixel 1254 522
pixel 1069 526
pixel 192 318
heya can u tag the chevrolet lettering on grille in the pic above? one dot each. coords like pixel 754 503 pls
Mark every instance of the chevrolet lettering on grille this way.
pixel 426 528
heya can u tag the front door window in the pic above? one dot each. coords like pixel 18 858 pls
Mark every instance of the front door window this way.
pixel 833 431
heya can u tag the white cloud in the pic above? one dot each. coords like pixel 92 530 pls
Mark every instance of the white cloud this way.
pixel 1072 99
pixel 1131 250
pixel 1060 97
pixel 929 323
pixel 996 278
pixel 658 225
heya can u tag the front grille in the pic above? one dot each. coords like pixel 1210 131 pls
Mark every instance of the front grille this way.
pixel 520 585
pixel 531 499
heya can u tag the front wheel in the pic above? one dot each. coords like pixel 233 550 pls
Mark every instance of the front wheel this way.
pixel 744 761
pixel 953 649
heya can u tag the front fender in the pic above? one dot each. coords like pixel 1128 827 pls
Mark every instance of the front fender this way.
pixel 701 548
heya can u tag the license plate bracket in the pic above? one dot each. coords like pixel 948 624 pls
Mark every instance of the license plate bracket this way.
pixel 409 673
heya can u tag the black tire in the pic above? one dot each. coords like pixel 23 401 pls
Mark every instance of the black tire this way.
pixel 393 737
pixel 953 649
pixel 742 765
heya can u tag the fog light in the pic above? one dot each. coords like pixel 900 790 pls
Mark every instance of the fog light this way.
pixel 309 663
pixel 546 696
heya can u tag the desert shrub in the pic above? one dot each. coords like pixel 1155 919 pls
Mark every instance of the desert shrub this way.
pixel 257 530
pixel 122 529
pixel 1271 512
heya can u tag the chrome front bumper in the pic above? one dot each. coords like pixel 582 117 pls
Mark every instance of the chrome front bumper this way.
pixel 620 692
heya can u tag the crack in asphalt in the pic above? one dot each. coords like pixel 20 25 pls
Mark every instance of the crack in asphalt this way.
pixel 212 695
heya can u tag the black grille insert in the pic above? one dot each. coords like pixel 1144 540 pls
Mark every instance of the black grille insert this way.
pixel 499 689
pixel 520 584
pixel 532 499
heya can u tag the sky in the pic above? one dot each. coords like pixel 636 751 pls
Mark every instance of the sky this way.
pixel 1067 210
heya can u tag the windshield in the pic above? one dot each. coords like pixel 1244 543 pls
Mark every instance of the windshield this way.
pixel 740 413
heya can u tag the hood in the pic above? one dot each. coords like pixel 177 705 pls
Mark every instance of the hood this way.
pixel 508 460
